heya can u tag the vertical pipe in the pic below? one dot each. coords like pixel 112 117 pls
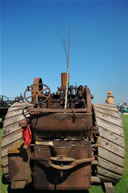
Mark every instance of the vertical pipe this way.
pixel 67 83
pixel 64 79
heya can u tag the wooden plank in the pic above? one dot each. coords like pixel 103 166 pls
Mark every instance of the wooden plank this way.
pixel 11 138
pixel 16 112
pixel 112 108
pixel 11 128
pixel 14 120
pixel 95 179
pixel 94 162
pixel 11 132
pixel 107 105
pixel 16 106
pixel 110 127
pixel 112 136
pixel 103 153
pixel 4 161
pixel 114 148
pixel 5 170
pixel 109 188
pixel 4 151
pixel 107 111
pixel 11 109
pixel 110 166
pixel 111 153
pixel 106 179
pixel 109 118
pixel 107 173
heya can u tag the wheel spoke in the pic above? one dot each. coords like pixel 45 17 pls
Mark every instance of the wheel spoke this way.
pixel 43 90
pixel 30 96
pixel 29 88
pixel 43 95
pixel 36 92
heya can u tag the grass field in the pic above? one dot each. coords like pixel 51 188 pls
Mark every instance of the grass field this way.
pixel 121 187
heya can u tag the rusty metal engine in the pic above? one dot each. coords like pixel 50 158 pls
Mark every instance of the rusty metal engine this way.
pixel 58 148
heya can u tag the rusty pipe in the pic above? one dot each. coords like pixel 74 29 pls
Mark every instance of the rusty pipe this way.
pixel 64 79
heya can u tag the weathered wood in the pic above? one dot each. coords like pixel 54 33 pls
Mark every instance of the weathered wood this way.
pixel 4 150
pixel 107 173
pixel 110 166
pixel 4 161
pixel 15 112
pixel 105 110
pixel 111 153
pixel 106 179
pixel 112 108
pixel 12 109
pixel 109 188
pixel 16 106
pixel 107 105
pixel 11 128
pixel 109 118
pixel 5 170
pixel 111 147
pixel 14 119
pixel 95 179
pixel 11 133
pixel 94 162
pixel 119 140
pixel 11 138
pixel 111 157
pixel 109 126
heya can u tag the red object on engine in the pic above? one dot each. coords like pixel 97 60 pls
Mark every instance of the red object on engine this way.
pixel 27 135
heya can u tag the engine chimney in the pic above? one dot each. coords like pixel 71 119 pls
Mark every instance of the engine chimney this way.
pixel 64 79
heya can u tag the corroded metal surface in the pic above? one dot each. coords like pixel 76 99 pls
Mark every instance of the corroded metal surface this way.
pixel 19 167
pixel 60 122
pixel 36 91
pixel 77 177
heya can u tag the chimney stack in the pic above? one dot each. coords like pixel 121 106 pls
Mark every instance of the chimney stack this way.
pixel 64 79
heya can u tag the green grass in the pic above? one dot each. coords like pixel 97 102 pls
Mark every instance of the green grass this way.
pixel 121 187
pixel 3 188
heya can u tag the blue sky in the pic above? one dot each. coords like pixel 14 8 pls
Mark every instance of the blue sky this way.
pixel 30 45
